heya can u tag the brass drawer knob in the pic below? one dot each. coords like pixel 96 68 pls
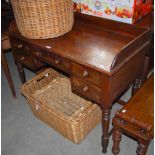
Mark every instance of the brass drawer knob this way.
pixel 57 62
pixel 85 73
pixel 85 88
pixel 20 46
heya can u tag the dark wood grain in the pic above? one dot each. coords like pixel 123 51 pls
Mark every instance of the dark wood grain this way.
pixel 86 89
pixel 136 118
pixel 148 22
pixel 143 106
pixel 5 46
pixel 102 57
pixel 87 74
pixel 23 53
pixel 7 73
pixel 104 46
pixel 21 72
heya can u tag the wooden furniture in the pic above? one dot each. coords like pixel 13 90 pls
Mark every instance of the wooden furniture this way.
pixel 136 119
pixel 148 22
pixel 5 44
pixel 7 17
pixel 102 57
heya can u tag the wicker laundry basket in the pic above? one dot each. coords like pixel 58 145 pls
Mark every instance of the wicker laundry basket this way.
pixel 69 114
pixel 42 19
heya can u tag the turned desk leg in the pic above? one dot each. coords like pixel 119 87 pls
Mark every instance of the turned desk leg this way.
pixel 117 135
pixel 7 73
pixel 21 72
pixel 105 129
pixel 142 148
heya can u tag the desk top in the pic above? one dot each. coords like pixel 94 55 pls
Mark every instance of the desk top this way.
pixel 101 44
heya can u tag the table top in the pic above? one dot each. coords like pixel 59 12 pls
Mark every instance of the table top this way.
pixel 101 44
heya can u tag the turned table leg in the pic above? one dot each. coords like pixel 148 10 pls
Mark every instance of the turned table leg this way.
pixel 142 148
pixel 7 73
pixel 21 72
pixel 105 129
pixel 117 135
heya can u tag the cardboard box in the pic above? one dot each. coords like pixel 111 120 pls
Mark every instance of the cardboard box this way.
pixel 128 11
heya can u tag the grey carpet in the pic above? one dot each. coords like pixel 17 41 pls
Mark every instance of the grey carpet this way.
pixel 23 134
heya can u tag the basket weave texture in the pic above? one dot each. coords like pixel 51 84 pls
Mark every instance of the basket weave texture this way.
pixel 42 19
pixel 56 105
pixel 39 82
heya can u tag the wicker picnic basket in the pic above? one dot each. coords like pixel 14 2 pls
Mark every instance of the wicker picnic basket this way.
pixel 56 105
pixel 42 19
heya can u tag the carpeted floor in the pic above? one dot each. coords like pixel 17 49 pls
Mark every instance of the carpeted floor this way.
pixel 23 134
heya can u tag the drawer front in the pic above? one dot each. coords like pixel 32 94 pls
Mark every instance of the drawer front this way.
pixel 23 53
pixel 86 89
pixel 44 56
pixel 54 60
pixel 62 63
pixel 87 74
pixel 21 50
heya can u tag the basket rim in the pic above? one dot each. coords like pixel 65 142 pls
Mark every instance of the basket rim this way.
pixel 59 17
pixel 40 75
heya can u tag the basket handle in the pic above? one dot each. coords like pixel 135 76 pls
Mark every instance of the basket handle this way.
pixel 43 77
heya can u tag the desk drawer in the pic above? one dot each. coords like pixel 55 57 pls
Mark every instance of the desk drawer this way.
pixel 44 56
pixel 54 60
pixel 86 89
pixel 20 50
pixel 86 74
pixel 23 53
pixel 61 63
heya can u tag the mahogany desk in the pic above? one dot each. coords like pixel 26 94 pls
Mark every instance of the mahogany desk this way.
pixel 102 57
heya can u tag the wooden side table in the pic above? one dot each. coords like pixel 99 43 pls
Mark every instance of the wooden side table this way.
pixel 136 119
